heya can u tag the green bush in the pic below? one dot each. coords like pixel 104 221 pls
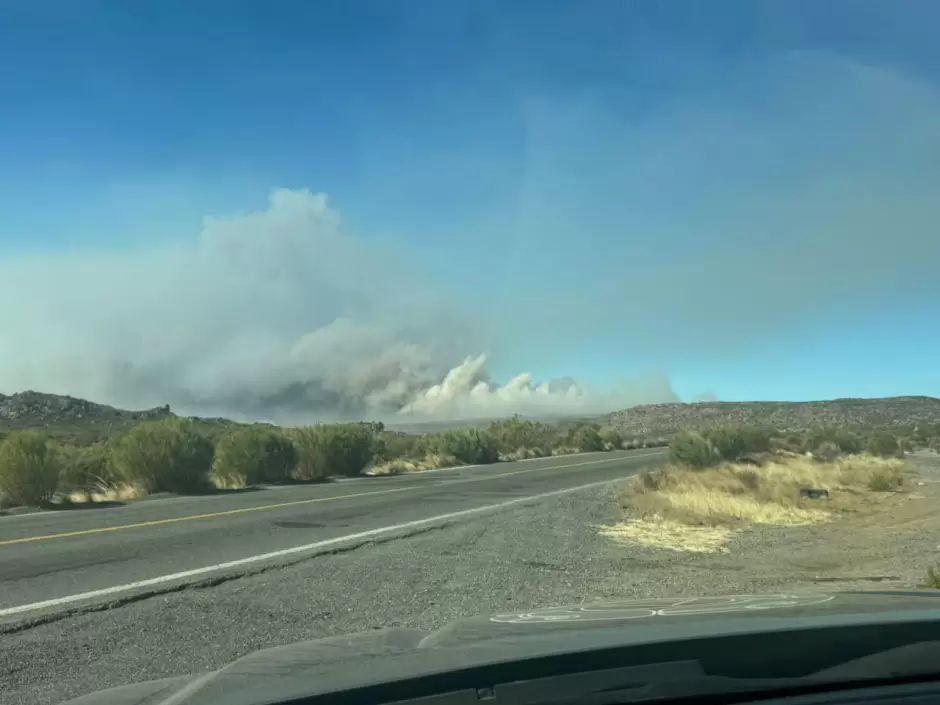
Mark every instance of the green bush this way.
pixel 846 441
pixel 467 445
pixel 515 434
pixel 334 449
pixel 923 434
pixel 164 456
pixel 29 468
pixel 393 445
pixel 586 438
pixel 731 443
pixel 711 446
pixel 692 448
pixel 85 468
pixel 885 480
pixel 883 444
pixel 583 437
pixel 254 454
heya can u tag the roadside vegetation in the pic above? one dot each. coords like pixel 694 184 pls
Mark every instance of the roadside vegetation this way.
pixel 191 456
pixel 29 468
pixel 933 577
pixel 719 480
pixel 172 454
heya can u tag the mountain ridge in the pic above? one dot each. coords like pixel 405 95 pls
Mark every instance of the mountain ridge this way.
pixel 67 414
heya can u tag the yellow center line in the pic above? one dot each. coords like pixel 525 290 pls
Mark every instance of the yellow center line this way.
pixel 278 505
pixel 193 517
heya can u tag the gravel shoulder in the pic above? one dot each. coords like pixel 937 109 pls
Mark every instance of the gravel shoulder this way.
pixel 543 554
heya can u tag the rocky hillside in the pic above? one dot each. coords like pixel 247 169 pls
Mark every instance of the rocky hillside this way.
pixel 67 415
pixel 665 419
pixel 56 412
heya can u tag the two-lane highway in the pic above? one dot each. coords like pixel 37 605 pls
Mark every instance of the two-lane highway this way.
pixel 59 560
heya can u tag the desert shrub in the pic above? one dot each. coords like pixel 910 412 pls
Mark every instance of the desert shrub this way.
pixel 164 456
pixel 731 443
pixel 923 434
pixel 88 437
pixel 692 448
pixel 885 479
pixel 585 437
pixel 334 449
pixel 611 438
pixel 827 451
pixel 790 442
pixel 933 576
pixel 711 446
pixel 392 445
pixel 846 441
pixel 254 454
pixel 29 468
pixel 467 445
pixel 883 444
pixel 515 434
pixel 85 468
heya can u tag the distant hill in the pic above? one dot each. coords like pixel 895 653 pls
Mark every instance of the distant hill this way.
pixel 60 414
pixel 654 420
pixel 69 416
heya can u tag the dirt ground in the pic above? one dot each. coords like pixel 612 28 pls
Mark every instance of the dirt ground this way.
pixel 891 544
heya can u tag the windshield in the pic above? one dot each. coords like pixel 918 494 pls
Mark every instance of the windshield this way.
pixel 328 317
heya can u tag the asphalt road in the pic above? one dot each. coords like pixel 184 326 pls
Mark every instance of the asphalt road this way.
pixel 64 560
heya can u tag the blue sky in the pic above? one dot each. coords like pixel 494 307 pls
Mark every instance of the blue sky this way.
pixel 738 195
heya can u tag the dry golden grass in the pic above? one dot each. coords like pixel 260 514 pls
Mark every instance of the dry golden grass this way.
pixel 229 481
pixel 671 535
pixel 523 454
pixel 662 507
pixel 117 493
pixel 400 466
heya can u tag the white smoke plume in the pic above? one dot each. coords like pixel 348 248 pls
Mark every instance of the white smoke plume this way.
pixel 273 315
pixel 467 392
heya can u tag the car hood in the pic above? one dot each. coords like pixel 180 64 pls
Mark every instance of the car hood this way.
pixel 339 663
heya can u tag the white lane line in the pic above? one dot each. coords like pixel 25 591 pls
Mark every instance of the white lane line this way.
pixel 198 572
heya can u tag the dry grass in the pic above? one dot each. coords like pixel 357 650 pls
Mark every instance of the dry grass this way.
pixel 671 535
pixel 664 506
pixel 523 454
pixel 116 493
pixel 228 481
pixel 401 465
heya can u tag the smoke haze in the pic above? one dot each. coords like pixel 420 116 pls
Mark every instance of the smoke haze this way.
pixel 270 315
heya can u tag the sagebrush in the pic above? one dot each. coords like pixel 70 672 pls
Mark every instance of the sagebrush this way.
pixel 85 469
pixel 164 456
pixel 468 445
pixel 516 434
pixel 253 455
pixel 29 468
pixel 340 449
